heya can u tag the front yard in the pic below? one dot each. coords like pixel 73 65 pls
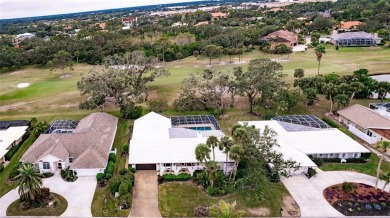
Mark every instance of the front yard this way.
pixel 178 199
pixel 368 168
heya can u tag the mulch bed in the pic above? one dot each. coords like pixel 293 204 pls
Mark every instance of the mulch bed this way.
pixel 364 201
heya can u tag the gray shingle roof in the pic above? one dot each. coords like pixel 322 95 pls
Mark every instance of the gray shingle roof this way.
pixel 90 143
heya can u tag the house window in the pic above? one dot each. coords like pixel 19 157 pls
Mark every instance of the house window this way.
pixel 369 133
pixel 355 155
pixel 343 155
pixel 71 159
pixel 320 155
pixel 167 165
pixel 46 165
pixel 331 155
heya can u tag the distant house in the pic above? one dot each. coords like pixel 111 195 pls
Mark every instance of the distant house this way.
pixel 11 134
pixel 129 22
pixel 219 15
pixel 349 25
pixel 21 37
pixel 381 108
pixel 83 146
pixel 287 38
pixel 179 24
pixel 355 39
pixel 365 123
pixel 202 23
pixel 298 139
pixel 167 145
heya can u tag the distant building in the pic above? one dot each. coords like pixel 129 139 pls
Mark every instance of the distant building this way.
pixel 366 123
pixel 202 23
pixel 129 22
pixel 355 39
pixel 381 108
pixel 219 15
pixel 21 37
pixel 349 25
pixel 287 38
pixel 179 24
pixel 11 134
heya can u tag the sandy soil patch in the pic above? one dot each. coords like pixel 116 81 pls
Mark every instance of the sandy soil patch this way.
pixel 290 207
pixel 261 211
pixel 23 85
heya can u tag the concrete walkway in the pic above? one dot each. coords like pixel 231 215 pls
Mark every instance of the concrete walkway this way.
pixel 145 195
pixel 308 192
pixel 79 195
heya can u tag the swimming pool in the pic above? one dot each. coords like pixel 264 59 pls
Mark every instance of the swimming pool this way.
pixel 200 128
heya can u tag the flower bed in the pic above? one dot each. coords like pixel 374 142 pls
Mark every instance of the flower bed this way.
pixel 358 200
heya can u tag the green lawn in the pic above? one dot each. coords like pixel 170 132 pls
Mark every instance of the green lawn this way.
pixel 178 199
pixel 49 95
pixel 6 185
pixel 13 209
pixel 101 193
pixel 368 168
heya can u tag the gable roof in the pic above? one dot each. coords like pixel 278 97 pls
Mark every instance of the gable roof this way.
pixel 151 126
pixel 365 117
pixel 89 145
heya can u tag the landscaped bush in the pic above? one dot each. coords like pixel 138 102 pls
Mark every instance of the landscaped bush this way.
pixel 158 105
pixel 1 168
pixel 330 122
pixel 211 191
pixel 348 187
pixel 350 160
pixel 311 172
pixel 365 156
pixel 180 177
pixel 125 149
pixel 107 176
pixel 14 172
pixel 47 174
pixel 318 161
pixel 114 185
pixel 69 175
pixel 110 168
pixel 99 177
pixel 112 157
pixel 123 171
pixel 132 170
pixel 131 111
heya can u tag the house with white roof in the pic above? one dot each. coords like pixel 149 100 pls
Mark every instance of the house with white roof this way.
pixel 167 145
pixel 19 38
pixel 298 141
pixel 10 137
pixel 368 124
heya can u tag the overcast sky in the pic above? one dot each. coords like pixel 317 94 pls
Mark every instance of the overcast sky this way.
pixel 31 8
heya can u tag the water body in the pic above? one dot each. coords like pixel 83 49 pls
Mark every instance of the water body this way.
pixel 10 9
pixel 379 78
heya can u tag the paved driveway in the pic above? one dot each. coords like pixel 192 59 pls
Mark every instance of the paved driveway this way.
pixel 79 195
pixel 145 195
pixel 308 192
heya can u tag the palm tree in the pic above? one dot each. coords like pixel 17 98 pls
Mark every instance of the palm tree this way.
pixel 236 154
pixel 212 142
pixel 386 178
pixel 319 50
pixel 30 181
pixel 382 147
pixel 225 144
pixel 330 90
pixel 202 152
pixel 225 210
pixel 212 168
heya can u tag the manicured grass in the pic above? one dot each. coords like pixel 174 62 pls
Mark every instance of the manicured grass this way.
pixel 101 193
pixel 5 185
pixel 49 95
pixel 368 168
pixel 178 199
pixel 13 209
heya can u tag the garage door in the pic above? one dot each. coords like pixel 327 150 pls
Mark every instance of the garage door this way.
pixel 145 166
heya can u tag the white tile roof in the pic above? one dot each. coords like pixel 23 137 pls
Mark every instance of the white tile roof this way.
pixel 298 144
pixel 151 126
pixel 8 136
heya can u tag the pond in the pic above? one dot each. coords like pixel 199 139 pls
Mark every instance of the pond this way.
pixel 384 77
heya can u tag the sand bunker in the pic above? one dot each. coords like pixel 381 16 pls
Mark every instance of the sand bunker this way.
pixel 23 85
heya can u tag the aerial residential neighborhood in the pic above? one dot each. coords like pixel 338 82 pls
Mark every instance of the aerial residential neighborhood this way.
pixel 195 108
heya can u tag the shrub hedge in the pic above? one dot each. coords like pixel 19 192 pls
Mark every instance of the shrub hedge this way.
pixel 99 177
pixel 180 177
pixel 330 122
pixel 112 157
pixel 1 168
